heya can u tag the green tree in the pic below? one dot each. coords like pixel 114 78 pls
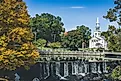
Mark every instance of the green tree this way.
pixel 75 38
pixel 47 26
pixel 40 42
pixel 112 36
pixel 116 73
pixel 16 48
pixel 54 45
pixel 114 14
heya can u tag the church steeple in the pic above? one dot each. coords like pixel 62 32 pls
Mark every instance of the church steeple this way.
pixel 97 31
pixel 97 24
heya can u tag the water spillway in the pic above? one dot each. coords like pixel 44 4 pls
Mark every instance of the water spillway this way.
pixel 62 70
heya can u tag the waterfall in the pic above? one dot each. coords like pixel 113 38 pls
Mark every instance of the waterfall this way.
pixel 65 69
pixel 52 69
pixel 80 68
pixel 105 67
pixel 99 71
pixel 88 68
pixel 73 69
pixel 46 70
pixel 106 71
pixel 93 68
pixel 85 67
pixel 76 67
pixel 40 71
pixel 57 68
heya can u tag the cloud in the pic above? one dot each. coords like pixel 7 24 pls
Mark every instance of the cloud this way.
pixel 77 7
pixel 73 7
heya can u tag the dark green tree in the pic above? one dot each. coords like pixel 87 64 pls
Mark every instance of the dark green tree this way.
pixel 75 38
pixel 113 37
pixel 114 14
pixel 113 34
pixel 116 73
pixel 47 26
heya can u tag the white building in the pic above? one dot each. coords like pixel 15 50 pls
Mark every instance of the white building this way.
pixel 97 41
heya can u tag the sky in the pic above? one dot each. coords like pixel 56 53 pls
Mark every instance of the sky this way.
pixel 74 12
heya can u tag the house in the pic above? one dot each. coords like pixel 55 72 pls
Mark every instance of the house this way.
pixel 97 41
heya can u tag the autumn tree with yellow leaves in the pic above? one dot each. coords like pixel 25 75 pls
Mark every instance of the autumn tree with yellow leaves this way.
pixel 16 48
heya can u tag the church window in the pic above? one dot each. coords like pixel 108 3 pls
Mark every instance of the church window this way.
pixel 95 33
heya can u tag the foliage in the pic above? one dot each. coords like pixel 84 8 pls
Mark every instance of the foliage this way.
pixel 55 45
pixel 13 14
pixel 116 73
pixel 75 38
pixel 114 14
pixel 40 42
pixel 47 26
pixel 16 48
pixel 113 37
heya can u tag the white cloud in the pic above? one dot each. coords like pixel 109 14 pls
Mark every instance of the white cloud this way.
pixel 77 7
pixel 73 7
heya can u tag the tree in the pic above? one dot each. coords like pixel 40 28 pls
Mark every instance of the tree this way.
pixel 75 38
pixel 113 37
pixel 40 42
pixel 116 73
pixel 113 34
pixel 47 26
pixel 55 45
pixel 114 14
pixel 16 48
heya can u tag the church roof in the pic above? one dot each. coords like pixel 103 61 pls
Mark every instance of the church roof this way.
pixel 97 38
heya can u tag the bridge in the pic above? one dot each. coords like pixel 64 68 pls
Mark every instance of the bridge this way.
pixel 51 55
pixel 80 63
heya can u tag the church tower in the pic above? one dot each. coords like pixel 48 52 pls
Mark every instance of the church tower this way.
pixel 97 32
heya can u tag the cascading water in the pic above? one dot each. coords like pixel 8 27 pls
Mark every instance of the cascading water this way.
pixel 105 67
pixel 86 68
pixel 57 68
pixel 52 72
pixel 83 67
pixel 65 69
pixel 73 68
pixel 46 70
pixel 76 67
pixel 40 71
pixel 99 69
pixel 80 68
pixel 93 68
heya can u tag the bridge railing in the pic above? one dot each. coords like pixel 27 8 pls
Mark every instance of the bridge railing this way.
pixel 71 54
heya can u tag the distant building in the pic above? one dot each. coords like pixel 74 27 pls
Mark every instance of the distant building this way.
pixel 97 41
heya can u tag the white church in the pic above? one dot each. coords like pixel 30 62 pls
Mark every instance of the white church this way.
pixel 97 41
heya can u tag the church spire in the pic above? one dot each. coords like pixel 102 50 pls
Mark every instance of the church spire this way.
pixel 97 24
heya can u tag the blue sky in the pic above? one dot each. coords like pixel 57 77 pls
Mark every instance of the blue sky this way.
pixel 73 12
